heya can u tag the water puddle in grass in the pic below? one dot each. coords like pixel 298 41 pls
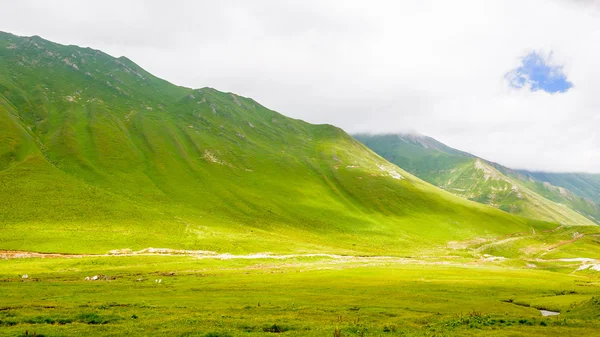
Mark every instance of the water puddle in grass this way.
pixel 549 313
pixel 543 312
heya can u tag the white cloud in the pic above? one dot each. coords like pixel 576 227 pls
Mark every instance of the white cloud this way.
pixel 433 66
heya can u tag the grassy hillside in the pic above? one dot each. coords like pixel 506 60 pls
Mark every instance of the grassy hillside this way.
pixel 476 179
pixel 582 184
pixel 97 154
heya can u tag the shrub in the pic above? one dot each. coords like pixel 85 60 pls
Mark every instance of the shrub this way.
pixel 275 329
pixel 7 323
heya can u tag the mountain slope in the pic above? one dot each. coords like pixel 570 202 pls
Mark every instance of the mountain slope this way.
pixel 476 179
pixel 582 184
pixel 97 154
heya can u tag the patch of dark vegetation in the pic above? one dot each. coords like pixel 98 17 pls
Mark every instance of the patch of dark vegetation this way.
pixel 145 306
pixel 564 292
pixel 8 322
pixel 92 318
pixel 276 328
pixel 112 305
pixel 521 304
pixel 527 305
pixel 217 334
pixel 87 318
pixel 476 320
pixel 47 320
pixel 8 314
pixel 31 334
pixel 164 273
pixel 9 308
pixel 247 328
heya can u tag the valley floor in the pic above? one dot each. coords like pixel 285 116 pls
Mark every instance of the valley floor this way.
pixel 183 295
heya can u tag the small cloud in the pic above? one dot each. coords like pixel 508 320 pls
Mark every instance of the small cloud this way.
pixel 537 72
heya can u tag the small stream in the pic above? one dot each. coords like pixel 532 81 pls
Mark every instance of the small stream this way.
pixel 544 313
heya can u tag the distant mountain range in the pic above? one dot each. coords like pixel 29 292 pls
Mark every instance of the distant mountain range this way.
pixel 567 198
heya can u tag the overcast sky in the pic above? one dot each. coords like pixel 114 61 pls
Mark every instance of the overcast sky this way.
pixel 459 71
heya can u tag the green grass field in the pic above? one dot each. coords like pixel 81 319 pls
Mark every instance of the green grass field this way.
pixel 294 297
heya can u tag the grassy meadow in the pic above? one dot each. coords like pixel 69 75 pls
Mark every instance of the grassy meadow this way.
pixel 302 296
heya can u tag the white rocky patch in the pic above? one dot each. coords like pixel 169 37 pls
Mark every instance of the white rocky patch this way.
pixel 549 313
pixel 236 100
pixel 594 267
pixel 487 257
pixel 487 171
pixel 391 172
pixel 208 155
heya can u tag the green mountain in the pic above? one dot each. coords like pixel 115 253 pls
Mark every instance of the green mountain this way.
pixel 482 181
pixel 582 184
pixel 97 154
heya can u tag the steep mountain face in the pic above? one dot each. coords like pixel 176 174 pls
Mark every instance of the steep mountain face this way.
pixel 97 154
pixel 582 184
pixel 476 179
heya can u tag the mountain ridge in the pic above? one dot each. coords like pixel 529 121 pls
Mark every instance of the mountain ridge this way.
pixel 481 180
